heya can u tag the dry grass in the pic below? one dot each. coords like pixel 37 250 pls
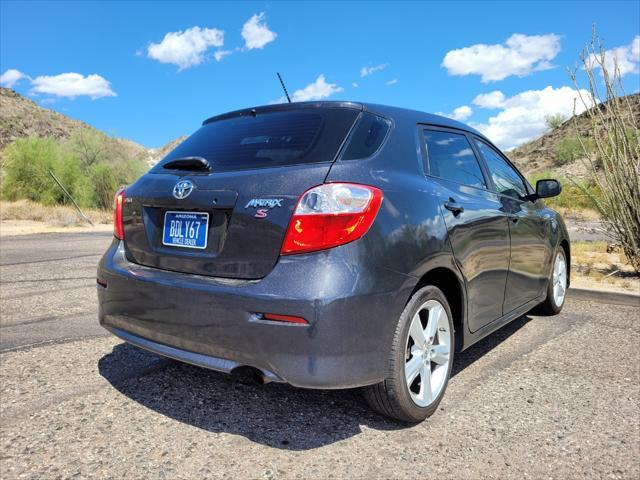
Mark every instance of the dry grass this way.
pixel 580 214
pixel 58 216
pixel 600 263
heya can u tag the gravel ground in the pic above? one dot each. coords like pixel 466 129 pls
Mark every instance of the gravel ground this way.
pixel 544 397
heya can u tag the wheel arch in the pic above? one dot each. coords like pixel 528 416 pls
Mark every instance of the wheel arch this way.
pixel 453 289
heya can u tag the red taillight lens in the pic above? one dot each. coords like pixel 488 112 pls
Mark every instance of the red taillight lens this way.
pixel 118 228
pixel 275 317
pixel 330 215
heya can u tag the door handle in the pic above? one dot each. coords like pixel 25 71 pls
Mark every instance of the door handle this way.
pixel 453 207
pixel 514 218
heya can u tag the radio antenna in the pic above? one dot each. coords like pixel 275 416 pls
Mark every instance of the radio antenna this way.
pixel 283 86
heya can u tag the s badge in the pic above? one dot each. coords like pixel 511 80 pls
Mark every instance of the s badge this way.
pixel 263 205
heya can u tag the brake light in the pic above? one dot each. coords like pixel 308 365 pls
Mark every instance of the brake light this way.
pixel 118 228
pixel 330 215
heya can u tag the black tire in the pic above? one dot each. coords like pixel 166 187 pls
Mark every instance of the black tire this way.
pixel 549 306
pixel 392 397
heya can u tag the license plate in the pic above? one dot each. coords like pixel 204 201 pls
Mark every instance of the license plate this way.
pixel 185 229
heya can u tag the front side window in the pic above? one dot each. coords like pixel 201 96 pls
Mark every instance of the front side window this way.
pixel 451 157
pixel 505 178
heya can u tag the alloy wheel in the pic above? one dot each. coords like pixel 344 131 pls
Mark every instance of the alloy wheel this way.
pixel 428 353
pixel 559 279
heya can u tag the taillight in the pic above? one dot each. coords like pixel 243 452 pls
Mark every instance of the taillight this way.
pixel 330 215
pixel 118 228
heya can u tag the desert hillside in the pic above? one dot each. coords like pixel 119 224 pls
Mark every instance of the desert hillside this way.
pixel 21 117
pixel 558 149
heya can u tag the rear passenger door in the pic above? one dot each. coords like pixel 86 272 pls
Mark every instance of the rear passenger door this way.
pixel 531 251
pixel 477 225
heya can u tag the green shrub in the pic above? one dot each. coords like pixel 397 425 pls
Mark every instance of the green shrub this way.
pixel 568 150
pixel 91 167
pixel 26 167
pixel 555 120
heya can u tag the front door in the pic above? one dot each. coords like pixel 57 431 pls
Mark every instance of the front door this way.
pixel 529 230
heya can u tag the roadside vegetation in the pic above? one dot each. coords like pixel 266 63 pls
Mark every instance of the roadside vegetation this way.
pixel 53 215
pixel 615 133
pixel 578 198
pixel 595 264
pixel 90 165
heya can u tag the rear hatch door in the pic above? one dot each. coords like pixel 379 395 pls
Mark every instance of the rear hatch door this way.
pixel 220 203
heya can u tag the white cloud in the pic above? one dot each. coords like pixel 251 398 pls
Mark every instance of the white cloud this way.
pixel 220 54
pixel 314 91
pixel 186 48
pixel 627 57
pixel 460 113
pixel 354 85
pixel 493 99
pixel 256 33
pixel 393 81
pixel 11 77
pixel 72 85
pixel 366 71
pixel 522 117
pixel 520 55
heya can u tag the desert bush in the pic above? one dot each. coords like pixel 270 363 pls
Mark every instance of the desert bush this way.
pixel 90 165
pixel 555 120
pixel 567 150
pixel 28 161
pixel 615 134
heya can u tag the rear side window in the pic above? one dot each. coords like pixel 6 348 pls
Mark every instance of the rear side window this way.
pixel 367 137
pixel 268 139
pixel 451 157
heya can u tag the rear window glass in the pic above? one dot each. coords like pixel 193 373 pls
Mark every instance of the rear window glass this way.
pixel 451 157
pixel 268 139
pixel 367 137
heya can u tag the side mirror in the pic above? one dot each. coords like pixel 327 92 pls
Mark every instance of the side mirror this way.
pixel 548 188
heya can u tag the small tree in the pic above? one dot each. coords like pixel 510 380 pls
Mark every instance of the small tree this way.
pixel 555 120
pixel 613 129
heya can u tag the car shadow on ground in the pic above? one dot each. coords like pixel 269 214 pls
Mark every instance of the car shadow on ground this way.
pixel 276 415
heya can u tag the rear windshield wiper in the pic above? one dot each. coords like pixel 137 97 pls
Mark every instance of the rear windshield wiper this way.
pixel 188 163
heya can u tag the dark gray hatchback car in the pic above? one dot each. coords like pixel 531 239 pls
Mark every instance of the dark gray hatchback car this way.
pixel 331 245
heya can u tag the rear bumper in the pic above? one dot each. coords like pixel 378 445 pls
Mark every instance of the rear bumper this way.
pixel 352 310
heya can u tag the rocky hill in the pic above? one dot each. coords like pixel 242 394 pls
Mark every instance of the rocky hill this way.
pixel 157 154
pixel 541 154
pixel 21 117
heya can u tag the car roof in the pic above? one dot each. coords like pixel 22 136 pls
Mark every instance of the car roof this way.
pixel 394 113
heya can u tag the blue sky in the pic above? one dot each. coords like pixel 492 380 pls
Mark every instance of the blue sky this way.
pixel 145 72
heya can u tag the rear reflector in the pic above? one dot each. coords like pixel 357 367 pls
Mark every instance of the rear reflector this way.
pixel 330 215
pixel 284 318
pixel 118 227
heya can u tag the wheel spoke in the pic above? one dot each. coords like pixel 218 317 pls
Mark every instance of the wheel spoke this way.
pixel 432 324
pixel 417 333
pixel 440 354
pixel 425 381
pixel 412 368
pixel 561 290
